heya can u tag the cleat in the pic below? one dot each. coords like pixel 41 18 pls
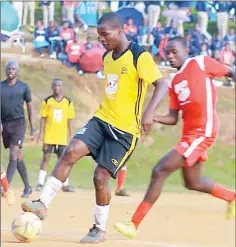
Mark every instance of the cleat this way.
pixel 128 229
pixel 10 196
pixel 35 207
pixel 230 214
pixel 39 187
pixel 122 192
pixel 27 192
pixel 68 189
pixel 95 235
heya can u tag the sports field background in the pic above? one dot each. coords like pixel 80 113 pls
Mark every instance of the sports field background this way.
pixel 87 92
pixel 180 219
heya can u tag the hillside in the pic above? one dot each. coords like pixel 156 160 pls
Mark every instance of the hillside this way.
pixel 87 92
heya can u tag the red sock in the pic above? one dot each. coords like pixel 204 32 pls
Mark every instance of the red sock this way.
pixel 121 179
pixel 4 181
pixel 140 213
pixel 220 192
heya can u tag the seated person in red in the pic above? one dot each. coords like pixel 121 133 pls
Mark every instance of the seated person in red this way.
pixel 66 34
pixel 74 50
pixel 130 30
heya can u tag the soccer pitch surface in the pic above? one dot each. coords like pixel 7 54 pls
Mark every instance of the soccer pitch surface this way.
pixel 177 220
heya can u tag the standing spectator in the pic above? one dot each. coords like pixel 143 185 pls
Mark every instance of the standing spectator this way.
pixel 29 7
pixel 57 113
pixel 157 32
pixel 40 38
pixel 48 11
pixel 53 36
pixel 163 43
pixel 201 8
pixel 68 8
pixel 19 8
pixel 153 10
pixel 13 95
pixel 101 7
pixel 66 35
pixel 222 8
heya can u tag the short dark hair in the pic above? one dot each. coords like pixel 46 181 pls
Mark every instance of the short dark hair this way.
pixel 112 18
pixel 179 39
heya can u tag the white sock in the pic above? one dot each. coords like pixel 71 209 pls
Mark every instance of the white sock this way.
pixel 100 216
pixel 42 176
pixel 50 190
pixel 66 183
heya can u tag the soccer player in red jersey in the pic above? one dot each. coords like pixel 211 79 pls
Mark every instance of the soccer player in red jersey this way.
pixel 192 92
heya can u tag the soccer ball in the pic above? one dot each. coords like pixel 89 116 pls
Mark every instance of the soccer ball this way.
pixel 26 227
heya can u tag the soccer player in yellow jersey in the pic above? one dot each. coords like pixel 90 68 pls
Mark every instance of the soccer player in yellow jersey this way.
pixel 111 135
pixel 57 113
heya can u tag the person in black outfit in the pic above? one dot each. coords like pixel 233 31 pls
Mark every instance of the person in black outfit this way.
pixel 13 95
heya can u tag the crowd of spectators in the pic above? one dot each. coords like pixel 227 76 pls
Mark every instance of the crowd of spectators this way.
pixel 63 41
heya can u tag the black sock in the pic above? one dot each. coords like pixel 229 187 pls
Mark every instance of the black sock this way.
pixel 11 169
pixel 23 173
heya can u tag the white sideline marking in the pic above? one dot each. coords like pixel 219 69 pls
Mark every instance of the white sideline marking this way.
pixel 146 243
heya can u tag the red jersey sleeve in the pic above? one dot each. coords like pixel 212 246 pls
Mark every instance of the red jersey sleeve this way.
pixel 214 68
pixel 173 101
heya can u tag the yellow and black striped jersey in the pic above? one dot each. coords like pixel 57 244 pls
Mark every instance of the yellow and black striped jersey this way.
pixel 126 81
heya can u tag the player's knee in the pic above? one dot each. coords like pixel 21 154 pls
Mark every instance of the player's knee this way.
pixel 100 178
pixel 158 172
pixel 192 185
pixel 20 156
pixel 13 153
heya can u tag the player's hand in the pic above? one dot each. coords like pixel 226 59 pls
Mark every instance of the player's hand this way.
pixel 33 135
pixel 39 138
pixel 147 121
pixel 156 119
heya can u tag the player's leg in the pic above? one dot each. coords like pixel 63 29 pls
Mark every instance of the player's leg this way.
pixel 65 186
pixel 7 191
pixel 12 165
pixel 194 181
pixel 97 233
pixel 88 140
pixel 113 154
pixel 23 173
pixel 120 191
pixel 164 168
pixel 47 150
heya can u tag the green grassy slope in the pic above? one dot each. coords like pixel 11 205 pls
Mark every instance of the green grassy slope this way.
pixel 86 92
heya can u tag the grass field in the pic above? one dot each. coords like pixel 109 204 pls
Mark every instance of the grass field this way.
pixel 86 92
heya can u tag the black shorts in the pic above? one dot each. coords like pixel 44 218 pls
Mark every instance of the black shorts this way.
pixel 109 146
pixel 53 148
pixel 13 132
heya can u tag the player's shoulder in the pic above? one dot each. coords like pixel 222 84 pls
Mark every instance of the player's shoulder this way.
pixel 22 83
pixel 105 54
pixel 46 100
pixel 68 100
pixel 136 50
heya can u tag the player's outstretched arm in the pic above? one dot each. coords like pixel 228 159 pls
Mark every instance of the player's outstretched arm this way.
pixel 158 94
pixel 170 119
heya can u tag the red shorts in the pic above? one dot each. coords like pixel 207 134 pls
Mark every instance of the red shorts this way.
pixel 194 148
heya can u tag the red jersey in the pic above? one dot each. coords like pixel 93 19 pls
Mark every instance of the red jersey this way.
pixel 193 92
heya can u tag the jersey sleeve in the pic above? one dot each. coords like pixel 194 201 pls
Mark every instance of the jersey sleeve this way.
pixel 27 94
pixel 43 109
pixel 71 111
pixel 214 68
pixel 173 101
pixel 147 68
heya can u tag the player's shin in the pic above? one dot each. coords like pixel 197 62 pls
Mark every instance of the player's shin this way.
pixel 220 192
pixel 101 215
pixel 52 186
